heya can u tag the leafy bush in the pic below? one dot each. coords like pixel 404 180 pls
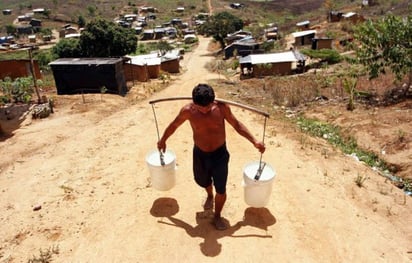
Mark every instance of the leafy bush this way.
pixel 67 48
pixel 19 90
pixel 44 58
pixel 22 90
pixel 327 55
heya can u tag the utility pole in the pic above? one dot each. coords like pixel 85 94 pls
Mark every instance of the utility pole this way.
pixel 34 75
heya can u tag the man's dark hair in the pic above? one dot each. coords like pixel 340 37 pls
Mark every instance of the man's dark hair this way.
pixel 203 95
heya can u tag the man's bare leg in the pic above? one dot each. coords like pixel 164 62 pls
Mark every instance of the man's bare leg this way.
pixel 209 200
pixel 220 200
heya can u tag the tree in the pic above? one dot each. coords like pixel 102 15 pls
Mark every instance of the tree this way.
pixel 10 29
pixel 103 38
pixel 81 21
pixel 220 25
pixel 67 48
pixel 164 47
pixel 386 44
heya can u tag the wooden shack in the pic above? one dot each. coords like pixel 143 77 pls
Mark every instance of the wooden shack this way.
pixel 322 43
pixel 89 75
pixel 259 65
pixel 303 37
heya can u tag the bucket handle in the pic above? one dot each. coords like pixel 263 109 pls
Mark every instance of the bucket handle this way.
pixel 162 160
pixel 261 164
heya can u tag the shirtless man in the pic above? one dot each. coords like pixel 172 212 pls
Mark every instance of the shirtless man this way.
pixel 210 156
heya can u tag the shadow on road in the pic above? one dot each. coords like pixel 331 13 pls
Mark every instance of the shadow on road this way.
pixel 255 217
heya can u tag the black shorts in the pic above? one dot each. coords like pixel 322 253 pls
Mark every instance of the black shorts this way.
pixel 211 167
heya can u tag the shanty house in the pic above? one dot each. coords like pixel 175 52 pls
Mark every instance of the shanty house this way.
pixel 89 75
pixel 18 68
pixel 303 25
pixel 24 18
pixel 36 24
pixel 32 38
pixel 7 39
pixel 238 35
pixel 148 34
pixel 236 5
pixel 39 11
pixel 189 38
pixel 146 9
pixel 180 9
pixel 24 29
pixel 258 65
pixel 145 67
pixel 7 12
pixel 271 33
pixel 335 16
pixel 322 43
pixel 159 32
pixel 303 37
pixel 170 62
pixel 353 17
pixel 67 31
pixel 242 47
pixel 142 67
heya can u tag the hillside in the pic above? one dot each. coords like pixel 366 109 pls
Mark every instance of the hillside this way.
pixel 284 13
pixel 76 188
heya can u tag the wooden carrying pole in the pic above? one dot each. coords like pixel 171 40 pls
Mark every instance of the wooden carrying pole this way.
pixel 261 164
pixel 219 100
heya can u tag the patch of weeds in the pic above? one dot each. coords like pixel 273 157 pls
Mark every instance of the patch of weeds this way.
pixel 401 135
pixel 333 135
pixel 348 145
pixel 45 255
pixel 360 179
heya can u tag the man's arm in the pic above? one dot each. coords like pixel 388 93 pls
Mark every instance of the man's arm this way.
pixel 171 128
pixel 241 128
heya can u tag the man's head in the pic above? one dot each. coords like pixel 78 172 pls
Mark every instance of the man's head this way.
pixel 203 95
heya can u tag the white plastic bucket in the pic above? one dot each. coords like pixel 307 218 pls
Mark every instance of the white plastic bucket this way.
pixel 163 177
pixel 257 192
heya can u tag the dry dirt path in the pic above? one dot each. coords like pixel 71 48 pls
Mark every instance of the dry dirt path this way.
pixel 85 167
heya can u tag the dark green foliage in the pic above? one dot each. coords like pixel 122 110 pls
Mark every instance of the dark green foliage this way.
pixel 44 58
pixel 327 55
pixel 386 44
pixel 81 21
pixel 10 29
pixel 220 25
pixel 67 48
pixel 102 38
pixel 164 47
pixel 19 90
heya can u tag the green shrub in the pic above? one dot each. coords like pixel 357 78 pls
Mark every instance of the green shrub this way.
pixel 327 55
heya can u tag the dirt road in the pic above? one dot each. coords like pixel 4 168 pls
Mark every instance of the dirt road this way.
pixel 83 170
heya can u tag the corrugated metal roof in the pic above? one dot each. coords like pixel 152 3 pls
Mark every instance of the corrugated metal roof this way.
pixel 303 33
pixel 303 23
pixel 148 59
pixel 85 61
pixel 349 14
pixel 153 58
pixel 288 56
